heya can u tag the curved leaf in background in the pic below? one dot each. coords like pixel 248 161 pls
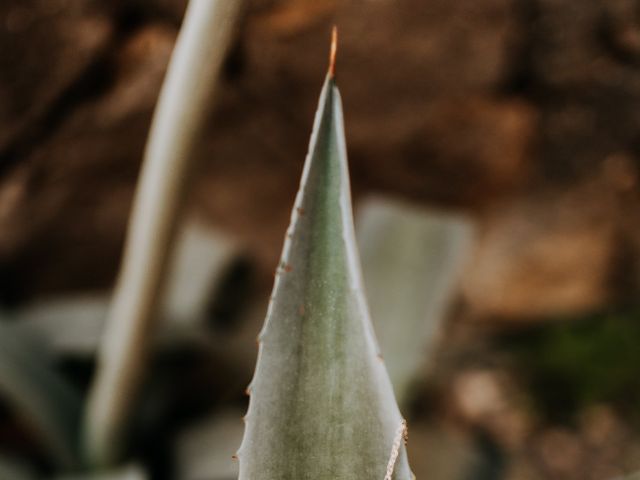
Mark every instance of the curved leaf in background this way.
pixel 14 469
pixel 202 260
pixel 43 399
pixel 181 111
pixel 322 405
pixel 130 472
pixel 412 260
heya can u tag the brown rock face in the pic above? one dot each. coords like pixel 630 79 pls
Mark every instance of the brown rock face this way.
pixel 478 104
pixel 47 47
pixel 545 254
pixel 67 200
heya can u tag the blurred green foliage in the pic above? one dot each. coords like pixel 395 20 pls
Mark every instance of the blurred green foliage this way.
pixel 570 365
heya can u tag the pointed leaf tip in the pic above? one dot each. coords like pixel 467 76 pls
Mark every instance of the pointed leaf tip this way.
pixel 333 52
pixel 322 406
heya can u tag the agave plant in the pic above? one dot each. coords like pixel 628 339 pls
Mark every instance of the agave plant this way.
pixel 28 381
pixel 412 260
pixel 178 119
pixel 321 404
pixel 39 394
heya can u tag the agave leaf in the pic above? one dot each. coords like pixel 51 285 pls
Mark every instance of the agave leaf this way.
pixel 202 259
pixel 129 472
pixel 322 405
pixel 633 476
pixel 412 260
pixel 14 469
pixel 180 114
pixel 44 400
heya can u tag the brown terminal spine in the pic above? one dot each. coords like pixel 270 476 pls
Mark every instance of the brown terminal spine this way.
pixel 333 52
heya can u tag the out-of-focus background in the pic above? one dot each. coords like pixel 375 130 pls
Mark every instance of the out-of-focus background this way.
pixel 516 120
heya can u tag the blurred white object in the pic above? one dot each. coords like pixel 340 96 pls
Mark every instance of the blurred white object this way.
pixel 73 325
pixel 202 257
pixel 411 262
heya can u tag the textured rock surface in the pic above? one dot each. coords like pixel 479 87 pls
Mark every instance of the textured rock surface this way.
pixel 491 106
pixel 49 48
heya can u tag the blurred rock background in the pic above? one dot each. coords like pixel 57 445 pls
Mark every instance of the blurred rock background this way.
pixel 522 114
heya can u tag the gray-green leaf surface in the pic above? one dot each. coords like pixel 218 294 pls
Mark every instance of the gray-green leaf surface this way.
pixel 321 406
pixel 128 472
pixel 44 400
pixel 15 469
pixel 412 260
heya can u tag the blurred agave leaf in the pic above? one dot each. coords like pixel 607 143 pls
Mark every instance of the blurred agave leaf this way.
pixel 202 259
pixel 181 112
pixel 322 405
pixel 412 260
pixel 633 476
pixel 68 325
pixel 43 399
pixel 206 450
pixel 11 469
pixel 132 472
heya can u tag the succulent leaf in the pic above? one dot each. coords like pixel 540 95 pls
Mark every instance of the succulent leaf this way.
pixel 196 61
pixel 412 261
pixel 29 383
pixel 322 405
